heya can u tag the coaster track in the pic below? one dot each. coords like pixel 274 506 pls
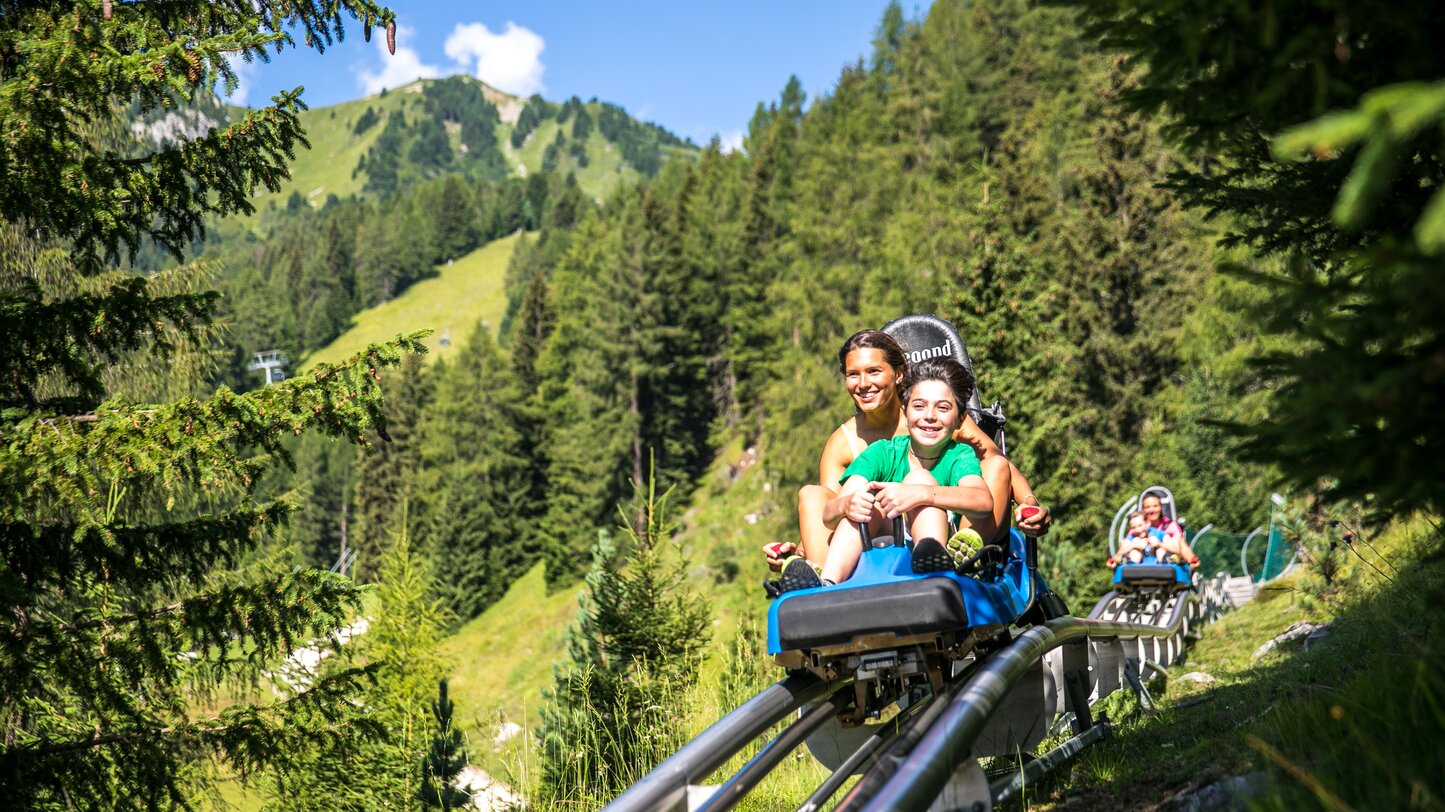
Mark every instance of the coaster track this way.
pixel 1002 701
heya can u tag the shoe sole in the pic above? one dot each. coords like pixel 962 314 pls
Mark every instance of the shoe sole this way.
pixel 798 575
pixel 930 556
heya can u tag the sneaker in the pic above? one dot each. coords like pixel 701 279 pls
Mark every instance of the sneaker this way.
pixel 772 588
pixel 963 545
pixel 930 556
pixel 798 573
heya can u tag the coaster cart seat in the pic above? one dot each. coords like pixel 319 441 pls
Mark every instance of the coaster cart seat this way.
pixel 1147 576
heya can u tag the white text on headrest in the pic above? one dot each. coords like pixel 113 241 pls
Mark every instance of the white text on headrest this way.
pixel 932 352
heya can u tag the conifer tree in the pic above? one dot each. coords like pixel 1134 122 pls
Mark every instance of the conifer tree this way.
pixel 444 761
pixel 128 530
pixel 478 478
pixel 386 473
pixel 1319 145
pixel 636 645
pixel 400 643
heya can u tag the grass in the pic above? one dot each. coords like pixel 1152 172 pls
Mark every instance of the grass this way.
pixel 502 659
pixel 1355 722
pixel 452 303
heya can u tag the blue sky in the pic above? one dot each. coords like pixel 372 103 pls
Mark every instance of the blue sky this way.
pixel 697 69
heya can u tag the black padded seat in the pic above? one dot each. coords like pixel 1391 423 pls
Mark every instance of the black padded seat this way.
pixel 834 617
pixel 1149 574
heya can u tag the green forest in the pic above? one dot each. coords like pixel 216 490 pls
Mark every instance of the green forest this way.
pixel 1186 244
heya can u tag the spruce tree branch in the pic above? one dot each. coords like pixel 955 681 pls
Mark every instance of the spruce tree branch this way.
pixel 63 557
pixel 223 441
pixel 214 729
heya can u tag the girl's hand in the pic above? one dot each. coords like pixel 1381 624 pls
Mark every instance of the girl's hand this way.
pixel 860 505
pixel 895 499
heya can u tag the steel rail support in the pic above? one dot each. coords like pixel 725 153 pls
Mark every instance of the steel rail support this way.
pixel 665 788
pixel 950 740
pixel 742 782
pixel 885 735
pixel 1005 788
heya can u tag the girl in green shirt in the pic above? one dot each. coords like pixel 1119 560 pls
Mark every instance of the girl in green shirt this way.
pixel 924 477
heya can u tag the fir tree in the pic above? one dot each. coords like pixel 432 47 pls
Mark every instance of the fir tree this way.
pixel 128 530
pixel 636 645
pixel 444 762
pixel 478 478
pixel 1319 144
pixel 400 643
pixel 386 473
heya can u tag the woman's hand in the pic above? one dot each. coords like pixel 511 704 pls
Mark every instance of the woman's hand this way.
pixel 1036 524
pixel 895 499
pixel 860 505
pixel 778 552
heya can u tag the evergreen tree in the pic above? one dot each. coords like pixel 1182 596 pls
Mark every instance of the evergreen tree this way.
pixel 1319 143
pixel 444 762
pixel 401 644
pixel 386 473
pixel 129 531
pixel 454 219
pixel 478 478
pixel 636 645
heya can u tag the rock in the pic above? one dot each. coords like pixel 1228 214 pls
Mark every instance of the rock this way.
pixel 1197 677
pixel 505 731
pixel 1316 636
pixel 1229 795
pixel 488 793
pixel 1297 630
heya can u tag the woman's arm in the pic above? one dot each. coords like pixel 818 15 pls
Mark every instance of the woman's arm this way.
pixel 855 501
pixel 970 434
pixel 836 456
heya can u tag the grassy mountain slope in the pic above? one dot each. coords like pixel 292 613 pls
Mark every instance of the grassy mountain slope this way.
pixel 467 291
pixel 328 167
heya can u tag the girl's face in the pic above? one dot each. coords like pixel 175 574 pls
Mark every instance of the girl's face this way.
pixel 1138 527
pixel 870 379
pixel 932 413
pixel 1152 508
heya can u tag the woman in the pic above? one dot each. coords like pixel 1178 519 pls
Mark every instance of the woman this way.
pixel 1173 535
pixel 873 364
pixel 926 476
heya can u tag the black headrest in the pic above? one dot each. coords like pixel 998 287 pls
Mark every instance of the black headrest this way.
pixel 924 335
pixel 1166 500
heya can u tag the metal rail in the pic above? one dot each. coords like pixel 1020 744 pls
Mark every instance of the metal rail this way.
pixel 926 745
pixel 950 741
pixel 666 786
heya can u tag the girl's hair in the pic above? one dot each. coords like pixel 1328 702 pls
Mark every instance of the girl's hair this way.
pixel 873 340
pixel 955 375
pixel 1137 514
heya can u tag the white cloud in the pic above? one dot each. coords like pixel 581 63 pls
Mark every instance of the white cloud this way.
pixel 398 69
pixel 509 61
pixel 245 72
pixel 733 141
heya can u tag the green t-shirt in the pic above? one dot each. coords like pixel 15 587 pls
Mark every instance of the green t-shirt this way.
pixel 887 461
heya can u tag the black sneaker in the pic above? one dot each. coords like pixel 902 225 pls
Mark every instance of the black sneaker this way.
pixel 772 588
pixel 798 573
pixel 930 556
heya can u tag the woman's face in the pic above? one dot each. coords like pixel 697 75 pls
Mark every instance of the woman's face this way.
pixel 870 379
pixel 1152 509
pixel 932 413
